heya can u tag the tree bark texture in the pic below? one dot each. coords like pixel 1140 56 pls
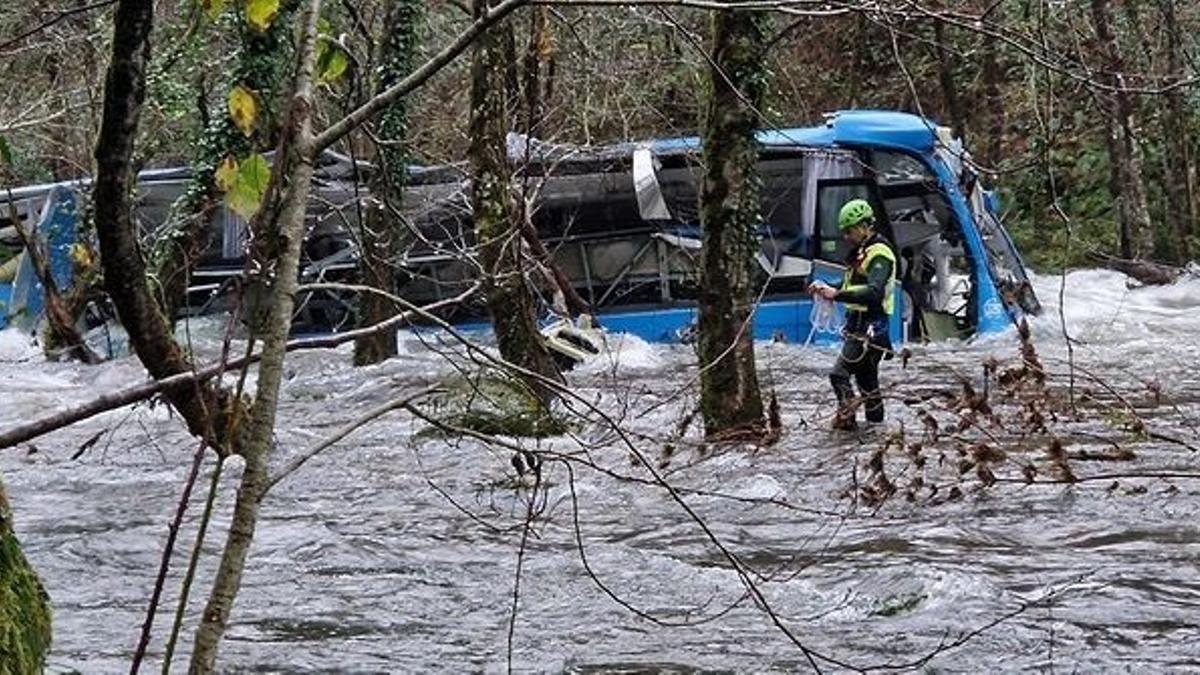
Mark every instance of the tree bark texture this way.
pixel 729 213
pixel 283 213
pixel 1179 157
pixel 993 94
pixel 497 224
pixel 261 66
pixel 946 78
pixel 1136 233
pixel 24 605
pixel 383 232
pixel 205 408
pixel 537 71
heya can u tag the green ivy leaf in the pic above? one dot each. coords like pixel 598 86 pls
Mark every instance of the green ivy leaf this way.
pixel 246 193
pixel 332 61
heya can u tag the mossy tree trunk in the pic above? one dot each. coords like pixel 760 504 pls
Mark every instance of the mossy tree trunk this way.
pixel 497 223
pixel 207 409
pixel 383 233
pixel 729 212
pixel 24 605
pixel 261 66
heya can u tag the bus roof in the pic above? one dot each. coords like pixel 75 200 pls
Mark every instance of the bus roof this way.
pixel 845 128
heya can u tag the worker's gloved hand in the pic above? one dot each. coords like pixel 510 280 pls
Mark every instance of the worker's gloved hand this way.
pixel 822 289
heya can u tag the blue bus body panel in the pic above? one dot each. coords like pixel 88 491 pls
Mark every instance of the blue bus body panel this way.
pixel 5 298
pixel 874 128
pixel 991 313
pixel 58 228
pixel 784 319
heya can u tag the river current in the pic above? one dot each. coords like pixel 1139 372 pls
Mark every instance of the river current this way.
pixel 397 551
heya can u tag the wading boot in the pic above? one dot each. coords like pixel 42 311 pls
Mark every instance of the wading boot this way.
pixel 847 405
pixel 844 421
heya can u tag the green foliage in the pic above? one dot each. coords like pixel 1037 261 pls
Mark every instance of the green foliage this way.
pixel 902 603
pixel 1080 172
pixel 397 56
pixel 212 8
pixel 244 183
pixel 332 60
pixel 24 606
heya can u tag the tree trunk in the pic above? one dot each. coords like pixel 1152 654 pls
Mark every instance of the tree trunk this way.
pixel 61 333
pixel 729 212
pixel 383 233
pixel 24 606
pixel 262 65
pixel 283 214
pixel 538 57
pixel 946 78
pixel 537 65
pixel 1180 163
pixel 993 94
pixel 497 223
pixel 206 409
pixel 1137 235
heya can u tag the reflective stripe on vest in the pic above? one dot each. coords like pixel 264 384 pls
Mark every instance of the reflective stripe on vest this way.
pixel 860 272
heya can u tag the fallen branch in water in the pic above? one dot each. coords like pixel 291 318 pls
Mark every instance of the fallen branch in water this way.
pixel 63 418
pixel 1144 271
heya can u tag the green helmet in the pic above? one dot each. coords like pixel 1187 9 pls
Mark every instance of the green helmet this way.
pixel 855 212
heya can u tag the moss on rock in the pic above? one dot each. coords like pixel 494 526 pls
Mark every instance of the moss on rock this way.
pixel 24 605
pixel 498 405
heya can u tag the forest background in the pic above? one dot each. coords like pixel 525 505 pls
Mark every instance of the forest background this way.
pixel 1045 94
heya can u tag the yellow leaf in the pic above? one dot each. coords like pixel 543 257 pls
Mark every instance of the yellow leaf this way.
pixel 227 174
pixel 81 255
pixel 243 108
pixel 260 13
pixel 545 45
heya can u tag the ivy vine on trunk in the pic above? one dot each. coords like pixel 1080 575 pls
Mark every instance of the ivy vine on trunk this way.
pixel 261 65
pixel 383 232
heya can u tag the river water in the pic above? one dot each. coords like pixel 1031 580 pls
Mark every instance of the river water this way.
pixel 396 551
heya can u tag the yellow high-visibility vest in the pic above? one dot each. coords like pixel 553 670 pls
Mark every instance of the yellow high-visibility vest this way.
pixel 856 277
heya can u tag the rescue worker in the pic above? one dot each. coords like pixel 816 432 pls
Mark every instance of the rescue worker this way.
pixel 867 291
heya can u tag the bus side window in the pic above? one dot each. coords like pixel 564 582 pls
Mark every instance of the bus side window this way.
pixel 831 196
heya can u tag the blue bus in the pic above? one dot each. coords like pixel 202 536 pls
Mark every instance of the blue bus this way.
pixel 622 224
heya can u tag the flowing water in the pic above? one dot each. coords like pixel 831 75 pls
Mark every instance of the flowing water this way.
pixel 393 552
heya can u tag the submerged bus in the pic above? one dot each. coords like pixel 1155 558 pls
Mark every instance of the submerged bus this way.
pixel 622 223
